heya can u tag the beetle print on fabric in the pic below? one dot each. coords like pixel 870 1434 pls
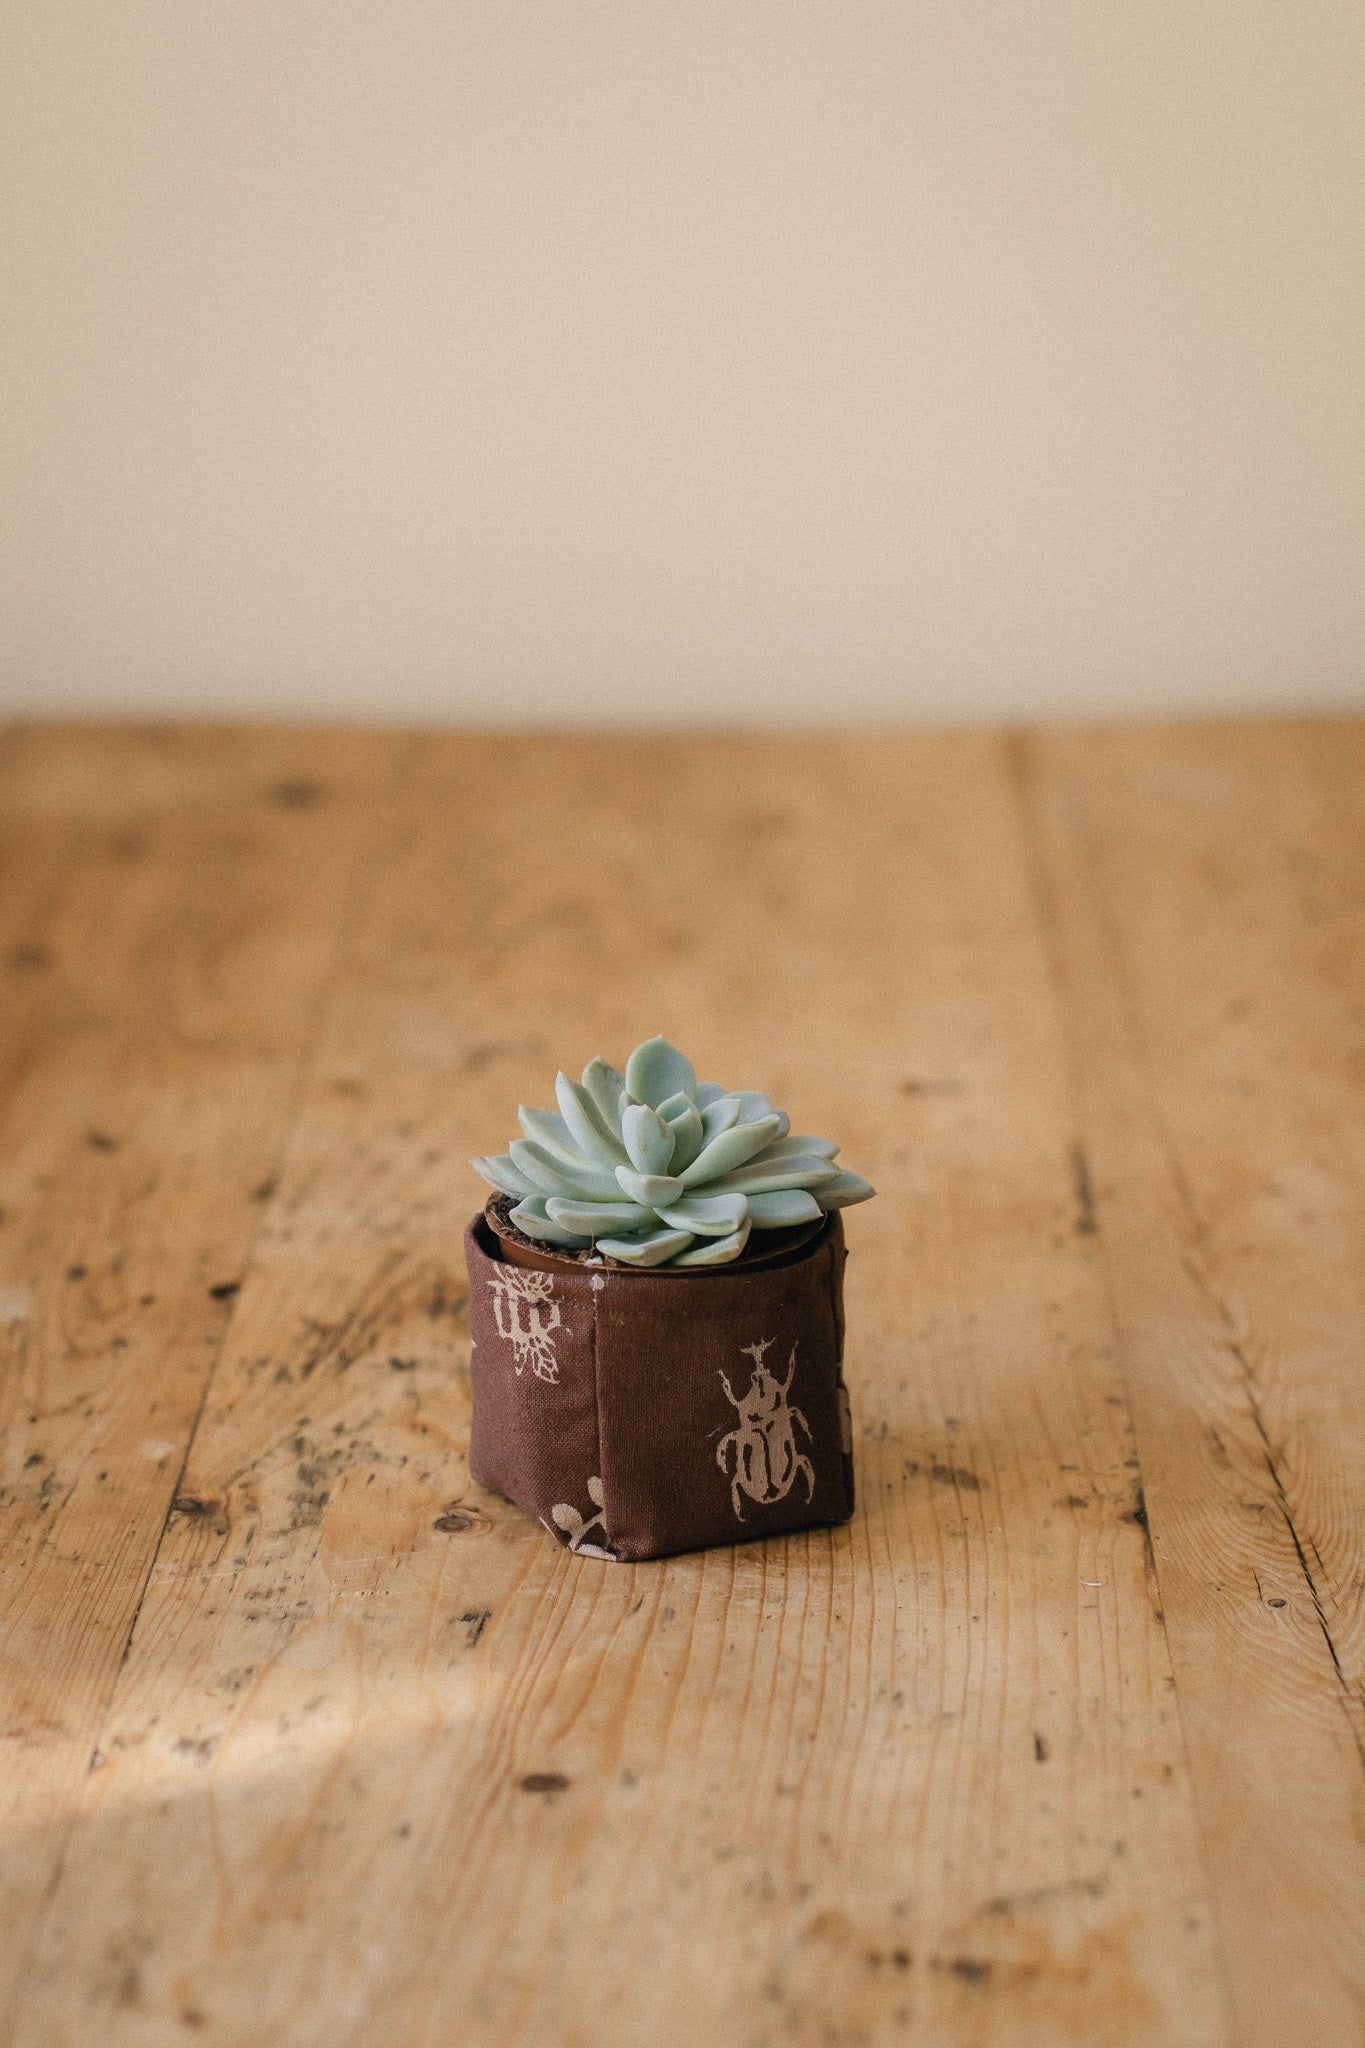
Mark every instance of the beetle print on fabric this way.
pixel 527 1315
pixel 766 1460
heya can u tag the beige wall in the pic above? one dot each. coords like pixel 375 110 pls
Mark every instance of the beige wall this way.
pixel 580 361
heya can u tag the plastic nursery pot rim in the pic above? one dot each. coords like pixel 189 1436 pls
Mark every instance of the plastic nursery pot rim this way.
pixel 773 1248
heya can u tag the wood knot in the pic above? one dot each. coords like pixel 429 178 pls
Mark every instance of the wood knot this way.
pixel 457 1516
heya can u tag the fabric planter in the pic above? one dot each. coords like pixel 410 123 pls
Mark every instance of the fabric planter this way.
pixel 640 1413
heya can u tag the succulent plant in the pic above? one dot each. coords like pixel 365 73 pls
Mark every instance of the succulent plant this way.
pixel 654 1168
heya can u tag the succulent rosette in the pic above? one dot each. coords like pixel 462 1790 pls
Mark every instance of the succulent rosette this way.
pixel 654 1168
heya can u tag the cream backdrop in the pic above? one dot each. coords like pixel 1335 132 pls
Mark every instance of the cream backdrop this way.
pixel 619 360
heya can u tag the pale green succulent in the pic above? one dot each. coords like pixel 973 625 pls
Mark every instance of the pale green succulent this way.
pixel 654 1168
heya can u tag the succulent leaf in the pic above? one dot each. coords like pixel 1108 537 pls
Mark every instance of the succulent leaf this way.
pixel 547 1127
pixel 781 1206
pixel 650 1188
pixel 689 1134
pixel 844 1192
pixel 550 1176
pixel 797 1147
pixel 534 1166
pixel 719 1116
pixel 731 1149
pixel 759 1179
pixel 718 1252
pixel 607 1088
pixel 654 1168
pixel 656 1070
pixel 586 1125
pixel 651 1250
pixel 707 1215
pixel 649 1141
pixel 551 1138
pixel 503 1175
pixel 592 1219
pixel 530 1218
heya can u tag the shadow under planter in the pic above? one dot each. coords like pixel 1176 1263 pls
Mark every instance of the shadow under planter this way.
pixel 640 1413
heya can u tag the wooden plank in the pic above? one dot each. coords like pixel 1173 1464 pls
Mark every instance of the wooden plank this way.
pixel 172 908
pixel 1206 892
pixel 386 1765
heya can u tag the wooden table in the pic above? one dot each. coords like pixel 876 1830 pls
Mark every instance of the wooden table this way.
pixel 306 1739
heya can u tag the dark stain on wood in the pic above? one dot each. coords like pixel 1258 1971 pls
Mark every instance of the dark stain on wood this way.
pixel 544 1781
pixel 480 1056
pixel 295 794
pixel 955 1475
pixel 27 959
pixel 1087 1222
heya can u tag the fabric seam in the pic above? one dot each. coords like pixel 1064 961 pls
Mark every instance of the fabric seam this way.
pixel 840 1385
pixel 597 1405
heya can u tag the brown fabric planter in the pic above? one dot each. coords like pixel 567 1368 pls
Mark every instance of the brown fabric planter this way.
pixel 640 1413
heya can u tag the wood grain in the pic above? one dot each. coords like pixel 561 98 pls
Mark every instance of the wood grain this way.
pixel 387 1765
pixel 175 903
pixel 382 1764
pixel 1206 893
